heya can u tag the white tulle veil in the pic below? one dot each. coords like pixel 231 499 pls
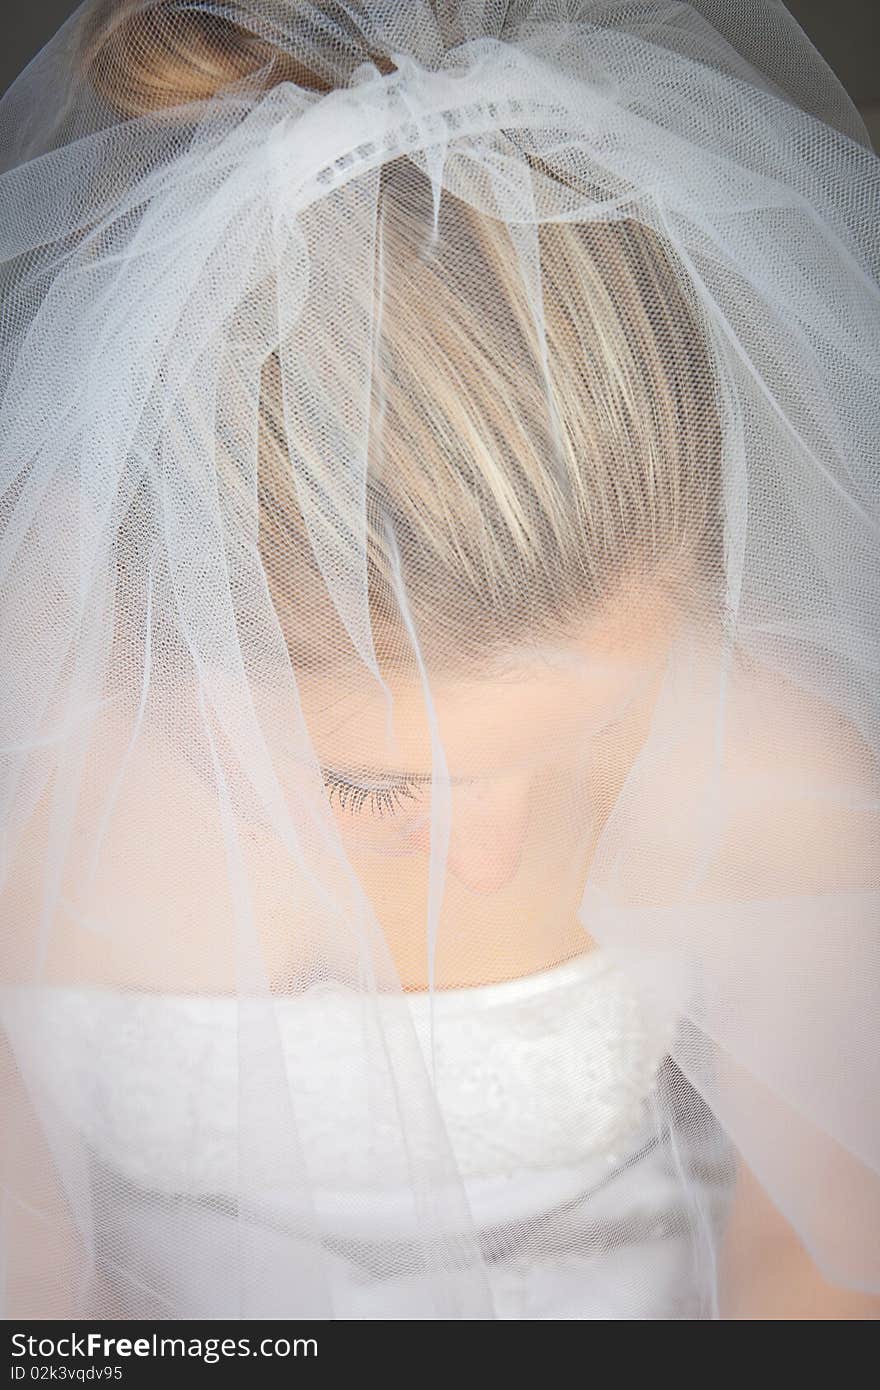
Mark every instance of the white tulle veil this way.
pixel 439 662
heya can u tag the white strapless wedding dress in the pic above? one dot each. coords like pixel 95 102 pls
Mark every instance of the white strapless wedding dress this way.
pixel 546 1086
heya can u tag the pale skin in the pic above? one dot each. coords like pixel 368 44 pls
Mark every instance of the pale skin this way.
pixel 587 715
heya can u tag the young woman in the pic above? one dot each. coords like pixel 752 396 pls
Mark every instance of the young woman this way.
pixel 440 615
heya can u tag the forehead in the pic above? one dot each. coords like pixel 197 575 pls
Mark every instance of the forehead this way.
pixel 546 702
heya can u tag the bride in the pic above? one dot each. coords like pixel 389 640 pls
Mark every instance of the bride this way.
pixel 440 728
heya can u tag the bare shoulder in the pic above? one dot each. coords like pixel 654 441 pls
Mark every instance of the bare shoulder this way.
pixel 804 789
pixel 778 724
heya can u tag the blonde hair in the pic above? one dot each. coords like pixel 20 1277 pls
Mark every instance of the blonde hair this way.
pixel 508 531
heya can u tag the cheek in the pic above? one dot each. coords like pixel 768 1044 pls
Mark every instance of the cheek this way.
pixel 488 825
pixel 379 824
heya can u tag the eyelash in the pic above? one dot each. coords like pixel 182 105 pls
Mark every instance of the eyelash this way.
pixel 384 798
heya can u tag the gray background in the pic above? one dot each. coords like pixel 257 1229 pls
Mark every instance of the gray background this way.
pixel 846 33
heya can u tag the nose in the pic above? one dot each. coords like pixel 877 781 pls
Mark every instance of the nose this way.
pixel 487 833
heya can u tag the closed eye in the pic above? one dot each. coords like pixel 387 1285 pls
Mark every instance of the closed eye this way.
pixel 353 796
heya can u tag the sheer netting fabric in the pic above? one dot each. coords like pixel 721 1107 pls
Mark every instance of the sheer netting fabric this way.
pixel 439 651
